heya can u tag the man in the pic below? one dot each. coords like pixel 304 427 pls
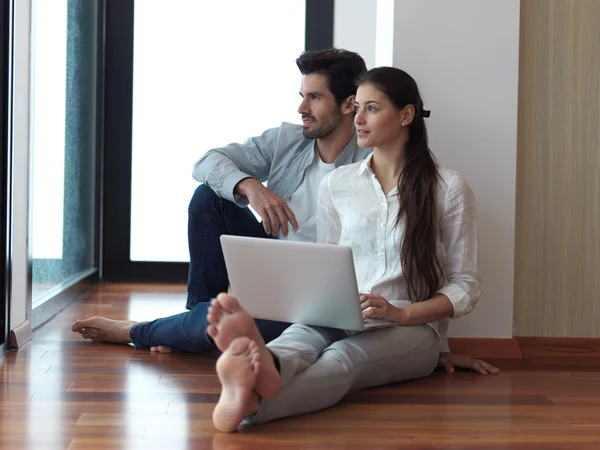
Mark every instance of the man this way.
pixel 292 159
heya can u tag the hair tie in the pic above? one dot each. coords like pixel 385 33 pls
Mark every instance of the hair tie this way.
pixel 426 113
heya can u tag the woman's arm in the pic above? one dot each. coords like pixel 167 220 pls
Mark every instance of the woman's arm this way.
pixel 436 308
pixel 462 290
pixel 376 307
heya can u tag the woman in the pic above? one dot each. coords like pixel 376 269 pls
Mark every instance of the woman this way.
pixel 411 225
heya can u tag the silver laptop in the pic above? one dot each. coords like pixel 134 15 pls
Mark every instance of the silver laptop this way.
pixel 312 284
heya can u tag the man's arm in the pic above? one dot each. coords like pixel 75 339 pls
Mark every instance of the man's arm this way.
pixel 223 168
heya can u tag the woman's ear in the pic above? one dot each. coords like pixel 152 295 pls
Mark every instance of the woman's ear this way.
pixel 408 115
pixel 348 105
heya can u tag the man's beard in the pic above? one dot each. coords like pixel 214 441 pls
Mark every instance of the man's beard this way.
pixel 325 130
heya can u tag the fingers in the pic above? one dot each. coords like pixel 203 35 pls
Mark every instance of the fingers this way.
pixel 367 304
pixel 273 211
pixel 488 367
pixel 274 226
pixel 366 297
pixel 276 218
pixel 446 366
pixel 266 222
pixel 373 312
pixel 478 367
pixel 291 216
pixel 373 301
pixel 482 367
pixel 283 221
pixel 284 216
pixel 465 362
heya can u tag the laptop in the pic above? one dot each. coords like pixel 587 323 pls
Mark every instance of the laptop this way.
pixel 297 282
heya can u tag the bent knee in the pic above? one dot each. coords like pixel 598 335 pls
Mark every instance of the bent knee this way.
pixel 204 197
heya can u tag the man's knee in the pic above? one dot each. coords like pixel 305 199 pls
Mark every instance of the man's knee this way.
pixel 204 198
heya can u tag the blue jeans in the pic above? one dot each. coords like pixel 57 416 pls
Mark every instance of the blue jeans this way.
pixel 210 216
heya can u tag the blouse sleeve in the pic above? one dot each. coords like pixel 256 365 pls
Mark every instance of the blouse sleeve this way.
pixel 459 235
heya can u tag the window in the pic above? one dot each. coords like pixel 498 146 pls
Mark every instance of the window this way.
pixel 181 80
pixel 63 144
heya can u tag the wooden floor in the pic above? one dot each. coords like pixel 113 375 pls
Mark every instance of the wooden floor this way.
pixel 61 392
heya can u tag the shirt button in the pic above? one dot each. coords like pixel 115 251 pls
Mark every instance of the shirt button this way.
pixel 382 224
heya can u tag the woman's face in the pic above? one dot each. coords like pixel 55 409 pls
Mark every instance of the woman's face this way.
pixel 378 122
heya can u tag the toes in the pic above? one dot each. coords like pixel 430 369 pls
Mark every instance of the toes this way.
pixel 212 316
pixel 212 331
pixel 161 349
pixel 215 304
pixel 228 303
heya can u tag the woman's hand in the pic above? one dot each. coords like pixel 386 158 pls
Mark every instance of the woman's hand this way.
pixel 450 361
pixel 376 307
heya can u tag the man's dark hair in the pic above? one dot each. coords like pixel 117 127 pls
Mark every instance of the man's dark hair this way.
pixel 341 67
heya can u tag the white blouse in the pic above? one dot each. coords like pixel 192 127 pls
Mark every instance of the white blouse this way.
pixel 353 211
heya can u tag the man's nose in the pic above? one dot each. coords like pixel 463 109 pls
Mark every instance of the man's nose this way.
pixel 303 107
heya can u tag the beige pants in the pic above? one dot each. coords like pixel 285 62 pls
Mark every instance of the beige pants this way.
pixel 320 365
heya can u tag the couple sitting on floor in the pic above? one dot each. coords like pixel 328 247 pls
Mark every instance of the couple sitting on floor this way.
pixel 358 172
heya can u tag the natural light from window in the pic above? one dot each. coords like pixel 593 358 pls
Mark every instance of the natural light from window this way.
pixel 48 94
pixel 205 75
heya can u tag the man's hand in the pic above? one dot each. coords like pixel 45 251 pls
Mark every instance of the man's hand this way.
pixel 271 208
pixel 376 307
pixel 450 361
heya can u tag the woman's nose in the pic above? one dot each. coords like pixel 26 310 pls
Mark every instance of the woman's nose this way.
pixel 359 118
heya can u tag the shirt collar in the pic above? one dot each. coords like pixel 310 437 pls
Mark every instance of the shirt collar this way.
pixel 365 165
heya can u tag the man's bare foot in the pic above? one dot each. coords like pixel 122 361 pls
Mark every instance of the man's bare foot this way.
pixel 102 329
pixel 238 369
pixel 161 349
pixel 228 321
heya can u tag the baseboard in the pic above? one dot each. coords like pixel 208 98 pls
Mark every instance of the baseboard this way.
pixel 559 347
pixel 20 335
pixel 486 347
pixel 530 348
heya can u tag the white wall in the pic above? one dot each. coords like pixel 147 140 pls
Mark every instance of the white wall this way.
pixel 464 55
pixel 354 27
pixel 20 291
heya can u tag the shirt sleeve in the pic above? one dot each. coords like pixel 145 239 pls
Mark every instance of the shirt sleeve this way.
pixel 329 226
pixel 443 330
pixel 459 235
pixel 223 168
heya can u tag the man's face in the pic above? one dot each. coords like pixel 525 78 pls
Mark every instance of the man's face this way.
pixel 321 116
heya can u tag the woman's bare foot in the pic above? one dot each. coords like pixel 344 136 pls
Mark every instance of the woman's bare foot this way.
pixel 228 321
pixel 102 329
pixel 161 349
pixel 238 369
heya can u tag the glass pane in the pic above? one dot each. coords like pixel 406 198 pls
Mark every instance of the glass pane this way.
pixel 63 80
pixel 205 74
